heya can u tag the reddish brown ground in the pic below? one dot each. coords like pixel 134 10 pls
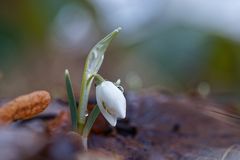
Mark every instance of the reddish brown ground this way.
pixel 159 126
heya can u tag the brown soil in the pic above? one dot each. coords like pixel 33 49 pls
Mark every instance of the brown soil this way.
pixel 159 126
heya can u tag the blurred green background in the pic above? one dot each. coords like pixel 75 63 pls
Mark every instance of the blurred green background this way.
pixel 175 45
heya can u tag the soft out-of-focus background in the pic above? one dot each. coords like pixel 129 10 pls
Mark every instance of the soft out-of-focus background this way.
pixel 171 44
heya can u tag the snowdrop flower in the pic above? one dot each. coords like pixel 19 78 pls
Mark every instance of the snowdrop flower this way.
pixel 111 101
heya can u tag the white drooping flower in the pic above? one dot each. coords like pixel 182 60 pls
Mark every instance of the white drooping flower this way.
pixel 111 102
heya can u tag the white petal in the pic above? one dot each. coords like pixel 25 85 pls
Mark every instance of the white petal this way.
pixel 114 102
pixel 110 118
pixel 113 98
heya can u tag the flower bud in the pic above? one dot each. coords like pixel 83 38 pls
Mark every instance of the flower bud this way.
pixel 111 102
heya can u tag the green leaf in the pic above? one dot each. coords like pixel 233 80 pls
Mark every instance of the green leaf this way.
pixel 71 100
pixel 96 55
pixel 90 121
pixel 92 65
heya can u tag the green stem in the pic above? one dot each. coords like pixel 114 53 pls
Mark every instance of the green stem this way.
pixel 98 79
pixel 83 100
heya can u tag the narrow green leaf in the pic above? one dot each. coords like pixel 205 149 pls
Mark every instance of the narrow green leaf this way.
pixel 71 100
pixel 90 121
pixel 92 65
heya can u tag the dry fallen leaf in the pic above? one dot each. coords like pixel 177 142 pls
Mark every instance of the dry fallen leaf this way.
pixel 24 107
